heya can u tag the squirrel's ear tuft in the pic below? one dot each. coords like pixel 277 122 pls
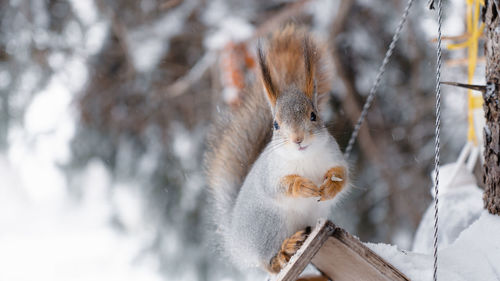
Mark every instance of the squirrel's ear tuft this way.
pixel 309 61
pixel 265 75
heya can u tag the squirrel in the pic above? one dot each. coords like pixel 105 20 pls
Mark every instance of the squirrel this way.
pixel 272 167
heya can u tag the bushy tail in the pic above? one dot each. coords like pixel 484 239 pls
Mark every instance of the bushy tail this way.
pixel 234 143
pixel 239 136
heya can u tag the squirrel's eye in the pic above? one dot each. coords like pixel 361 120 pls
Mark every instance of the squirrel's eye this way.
pixel 276 126
pixel 313 116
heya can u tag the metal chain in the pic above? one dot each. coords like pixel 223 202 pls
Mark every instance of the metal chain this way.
pixel 437 140
pixel 373 90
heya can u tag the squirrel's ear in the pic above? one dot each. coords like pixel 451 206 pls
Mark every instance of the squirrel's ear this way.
pixel 265 75
pixel 310 63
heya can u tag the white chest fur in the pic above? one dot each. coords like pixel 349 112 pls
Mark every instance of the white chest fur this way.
pixel 313 165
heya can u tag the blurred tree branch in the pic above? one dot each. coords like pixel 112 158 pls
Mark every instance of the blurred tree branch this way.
pixel 181 85
pixel 120 31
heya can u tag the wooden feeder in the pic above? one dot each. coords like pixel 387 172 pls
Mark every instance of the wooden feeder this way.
pixel 339 256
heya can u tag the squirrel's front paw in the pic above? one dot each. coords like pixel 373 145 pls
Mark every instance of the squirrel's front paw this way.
pixel 335 180
pixel 288 248
pixel 297 186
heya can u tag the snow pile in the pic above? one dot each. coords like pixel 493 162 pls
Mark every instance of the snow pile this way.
pixel 51 237
pixel 473 256
pixel 469 247
pixel 460 204
pixel 50 231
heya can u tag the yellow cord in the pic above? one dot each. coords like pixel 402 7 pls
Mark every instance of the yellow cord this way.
pixel 475 100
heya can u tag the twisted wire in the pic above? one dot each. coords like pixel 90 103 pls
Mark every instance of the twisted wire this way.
pixel 437 140
pixel 375 85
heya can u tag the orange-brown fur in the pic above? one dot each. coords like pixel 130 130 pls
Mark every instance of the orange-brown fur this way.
pixel 292 59
pixel 331 188
pixel 288 248
pixel 297 186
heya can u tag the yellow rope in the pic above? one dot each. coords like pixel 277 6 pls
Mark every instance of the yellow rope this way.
pixel 475 100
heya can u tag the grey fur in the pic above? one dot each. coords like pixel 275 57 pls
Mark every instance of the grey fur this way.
pixel 259 221
pixel 246 159
pixel 234 142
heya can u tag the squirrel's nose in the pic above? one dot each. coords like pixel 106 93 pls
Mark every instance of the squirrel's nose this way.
pixel 298 140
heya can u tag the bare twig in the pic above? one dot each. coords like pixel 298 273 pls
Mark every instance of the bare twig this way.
pixel 120 31
pixel 182 84
pixel 480 88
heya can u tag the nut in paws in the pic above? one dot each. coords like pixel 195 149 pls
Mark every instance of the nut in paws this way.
pixel 333 184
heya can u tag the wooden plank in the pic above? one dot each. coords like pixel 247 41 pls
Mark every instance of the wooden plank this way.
pixel 344 258
pixel 301 259
pixel 340 256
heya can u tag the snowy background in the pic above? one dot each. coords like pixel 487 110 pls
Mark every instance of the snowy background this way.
pixel 104 107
